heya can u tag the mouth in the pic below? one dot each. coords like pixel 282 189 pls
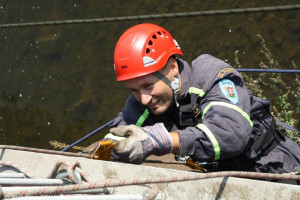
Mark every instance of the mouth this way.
pixel 153 104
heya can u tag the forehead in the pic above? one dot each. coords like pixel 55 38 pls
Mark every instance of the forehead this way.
pixel 140 81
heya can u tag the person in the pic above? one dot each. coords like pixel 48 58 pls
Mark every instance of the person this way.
pixel 203 111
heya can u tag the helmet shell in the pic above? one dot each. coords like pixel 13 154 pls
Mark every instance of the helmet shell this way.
pixel 143 49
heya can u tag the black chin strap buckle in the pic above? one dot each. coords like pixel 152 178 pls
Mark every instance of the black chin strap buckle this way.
pixel 186 117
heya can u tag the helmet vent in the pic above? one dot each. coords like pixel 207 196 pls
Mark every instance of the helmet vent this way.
pixel 154 36
pixel 147 50
pixel 150 42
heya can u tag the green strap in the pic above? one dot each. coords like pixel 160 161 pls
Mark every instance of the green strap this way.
pixel 142 118
pixel 212 138
pixel 197 91
pixel 228 105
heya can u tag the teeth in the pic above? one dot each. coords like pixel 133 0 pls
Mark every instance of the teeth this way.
pixel 154 103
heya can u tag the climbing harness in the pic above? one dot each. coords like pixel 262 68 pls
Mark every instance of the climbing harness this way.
pixel 269 140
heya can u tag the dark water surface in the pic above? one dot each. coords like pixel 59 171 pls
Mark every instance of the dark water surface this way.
pixel 57 82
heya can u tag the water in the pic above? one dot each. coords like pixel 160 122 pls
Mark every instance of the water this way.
pixel 57 82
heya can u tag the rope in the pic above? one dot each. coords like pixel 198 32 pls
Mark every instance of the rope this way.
pixel 1 193
pixel 70 167
pixel 157 16
pixel 44 151
pixel 18 167
pixel 58 189
pixel 54 190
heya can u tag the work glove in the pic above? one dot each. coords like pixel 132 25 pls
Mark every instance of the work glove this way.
pixel 140 143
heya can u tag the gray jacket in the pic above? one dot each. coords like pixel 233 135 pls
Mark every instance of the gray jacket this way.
pixel 227 120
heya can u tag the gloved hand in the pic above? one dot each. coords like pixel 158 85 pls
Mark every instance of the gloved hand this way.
pixel 113 137
pixel 140 143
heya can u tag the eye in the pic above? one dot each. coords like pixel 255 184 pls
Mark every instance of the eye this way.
pixel 149 86
pixel 134 92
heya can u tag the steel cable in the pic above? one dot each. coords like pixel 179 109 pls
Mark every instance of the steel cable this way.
pixel 156 16
pixel 270 70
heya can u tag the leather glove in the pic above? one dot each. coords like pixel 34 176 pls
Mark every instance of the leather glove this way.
pixel 140 143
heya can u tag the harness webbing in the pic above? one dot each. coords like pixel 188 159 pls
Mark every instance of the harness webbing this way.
pixel 268 141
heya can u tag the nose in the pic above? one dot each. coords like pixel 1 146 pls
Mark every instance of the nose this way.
pixel 145 98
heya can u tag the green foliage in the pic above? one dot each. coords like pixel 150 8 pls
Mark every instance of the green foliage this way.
pixel 282 93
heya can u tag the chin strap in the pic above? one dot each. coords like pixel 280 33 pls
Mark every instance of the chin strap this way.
pixel 174 85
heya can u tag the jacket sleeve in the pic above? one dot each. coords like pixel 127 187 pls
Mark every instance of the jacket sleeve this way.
pixel 224 126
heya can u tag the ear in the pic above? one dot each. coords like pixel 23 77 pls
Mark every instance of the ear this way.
pixel 174 66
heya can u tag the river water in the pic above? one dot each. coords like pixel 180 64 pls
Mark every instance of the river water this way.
pixel 57 82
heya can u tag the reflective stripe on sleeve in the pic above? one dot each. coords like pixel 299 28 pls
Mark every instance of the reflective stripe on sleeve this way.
pixel 142 118
pixel 228 105
pixel 212 138
pixel 197 91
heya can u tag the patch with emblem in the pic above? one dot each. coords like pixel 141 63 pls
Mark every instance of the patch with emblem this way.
pixel 224 71
pixel 229 91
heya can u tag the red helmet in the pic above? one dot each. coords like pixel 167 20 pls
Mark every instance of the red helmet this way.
pixel 143 49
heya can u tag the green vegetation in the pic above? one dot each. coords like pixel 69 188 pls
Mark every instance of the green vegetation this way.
pixel 282 93
pixel 60 145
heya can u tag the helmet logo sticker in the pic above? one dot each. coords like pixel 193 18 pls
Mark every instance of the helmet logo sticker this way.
pixel 228 89
pixel 148 61
pixel 176 44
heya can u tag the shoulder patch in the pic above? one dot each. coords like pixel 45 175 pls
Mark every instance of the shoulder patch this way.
pixel 228 89
pixel 222 73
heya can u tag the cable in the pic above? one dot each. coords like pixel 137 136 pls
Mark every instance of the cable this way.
pixel 270 70
pixel 55 190
pixel 88 135
pixel 156 16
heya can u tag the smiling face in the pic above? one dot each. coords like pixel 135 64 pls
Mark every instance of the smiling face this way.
pixel 153 92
